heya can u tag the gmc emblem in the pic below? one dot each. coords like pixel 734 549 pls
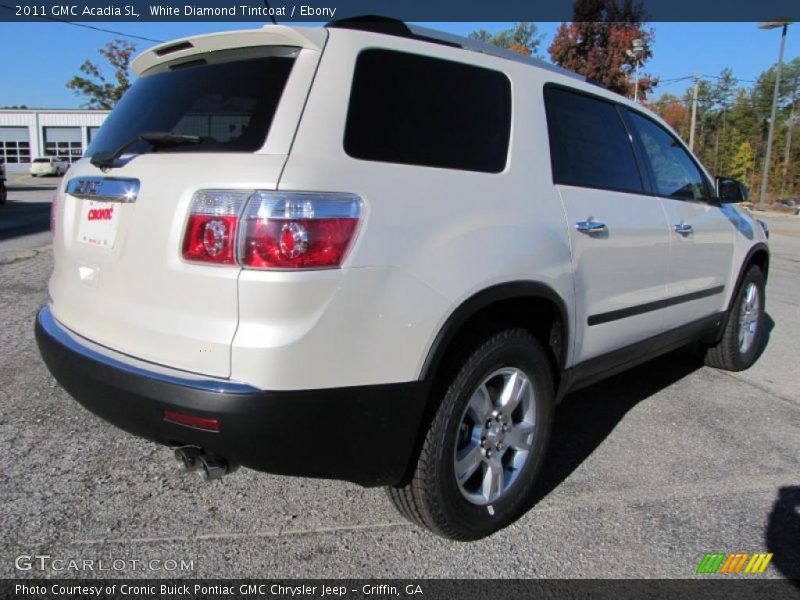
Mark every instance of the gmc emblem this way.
pixel 88 187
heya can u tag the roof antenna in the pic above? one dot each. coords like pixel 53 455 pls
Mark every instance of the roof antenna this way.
pixel 271 13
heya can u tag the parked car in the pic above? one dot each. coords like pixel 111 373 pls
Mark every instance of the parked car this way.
pixel 3 189
pixel 387 265
pixel 49 165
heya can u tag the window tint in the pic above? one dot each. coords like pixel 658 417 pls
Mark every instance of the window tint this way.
pixel 229 105
pixel 589 145
pixel 417 110
pixel 676 174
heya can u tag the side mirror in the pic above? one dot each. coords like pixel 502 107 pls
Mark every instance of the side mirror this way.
pixel 731 191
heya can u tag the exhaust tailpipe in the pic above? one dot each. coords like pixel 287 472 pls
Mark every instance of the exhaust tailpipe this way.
pixel 188 458
pixel 212 467
pixel 208 466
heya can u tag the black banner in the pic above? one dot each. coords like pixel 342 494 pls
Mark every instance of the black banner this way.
pixel 707 588
pixel 288 11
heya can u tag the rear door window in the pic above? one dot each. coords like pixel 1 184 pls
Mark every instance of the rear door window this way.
pixel 416 110
pixel 589 145
pixel 229 105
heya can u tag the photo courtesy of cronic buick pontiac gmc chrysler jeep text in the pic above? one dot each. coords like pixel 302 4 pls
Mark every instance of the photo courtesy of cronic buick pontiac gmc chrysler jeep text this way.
pixel 378 253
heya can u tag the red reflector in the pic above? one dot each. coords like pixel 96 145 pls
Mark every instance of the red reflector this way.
pixel 207 423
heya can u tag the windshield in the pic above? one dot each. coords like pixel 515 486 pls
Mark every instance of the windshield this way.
pixel 41 160
pixel 228 105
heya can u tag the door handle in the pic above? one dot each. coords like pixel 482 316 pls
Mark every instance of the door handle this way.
pixel 590 226
pixel 683 228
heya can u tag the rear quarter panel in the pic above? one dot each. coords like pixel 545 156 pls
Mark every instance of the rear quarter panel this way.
pixel 453 233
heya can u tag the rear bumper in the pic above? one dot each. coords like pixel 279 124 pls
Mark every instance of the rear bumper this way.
pixel 362 434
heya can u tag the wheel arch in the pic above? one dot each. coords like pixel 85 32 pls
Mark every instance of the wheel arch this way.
pixel 530 304
pixel 757 255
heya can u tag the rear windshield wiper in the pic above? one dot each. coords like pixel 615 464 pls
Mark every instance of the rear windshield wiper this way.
pixel 157 139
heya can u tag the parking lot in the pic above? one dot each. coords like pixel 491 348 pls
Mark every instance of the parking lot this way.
pixel 647 472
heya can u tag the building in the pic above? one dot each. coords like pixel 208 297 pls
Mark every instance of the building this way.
pixel 28 134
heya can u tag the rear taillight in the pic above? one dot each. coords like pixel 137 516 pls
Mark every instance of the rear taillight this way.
pixel 298 230
pixel 53 212
pixel 210 235
pixel 278 230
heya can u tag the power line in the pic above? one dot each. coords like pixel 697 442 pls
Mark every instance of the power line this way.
pixel 85 26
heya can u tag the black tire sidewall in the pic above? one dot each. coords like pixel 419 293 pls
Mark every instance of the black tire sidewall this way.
pixel 746 359
pixel 472 521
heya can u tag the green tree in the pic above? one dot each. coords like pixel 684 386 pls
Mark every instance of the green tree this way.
pixel 523 38
pixel 99 91
pixel 743 162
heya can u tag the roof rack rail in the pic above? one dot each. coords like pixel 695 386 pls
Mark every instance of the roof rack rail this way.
pixel 398 28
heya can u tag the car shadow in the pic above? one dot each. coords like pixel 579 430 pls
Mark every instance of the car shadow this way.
pixel 23 218
pixel 584 419
pixel 769 325
pixel 782 536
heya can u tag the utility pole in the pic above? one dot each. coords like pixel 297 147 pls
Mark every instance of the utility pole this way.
pixel 694 111
pixel 762 201
pixel 788 152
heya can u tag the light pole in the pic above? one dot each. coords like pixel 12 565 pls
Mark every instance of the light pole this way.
pixel 636 53
pixel 762 201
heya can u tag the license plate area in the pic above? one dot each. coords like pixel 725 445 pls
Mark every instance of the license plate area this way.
pixel 98 223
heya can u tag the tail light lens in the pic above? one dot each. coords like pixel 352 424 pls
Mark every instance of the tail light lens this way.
pixel 210 235
pixel 298 230
pixel 271 230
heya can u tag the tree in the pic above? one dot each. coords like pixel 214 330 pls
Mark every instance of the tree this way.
pixel 743 162
pixel 523 38
pixel 99 92
pixel 673 111
pixel 597 42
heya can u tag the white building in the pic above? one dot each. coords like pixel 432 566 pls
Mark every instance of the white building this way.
pixel 28 134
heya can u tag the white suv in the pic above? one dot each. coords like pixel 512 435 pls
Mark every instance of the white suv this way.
pixel 382 254
pixel 48 165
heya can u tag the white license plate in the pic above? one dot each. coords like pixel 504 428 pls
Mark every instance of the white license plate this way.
pixel 98 223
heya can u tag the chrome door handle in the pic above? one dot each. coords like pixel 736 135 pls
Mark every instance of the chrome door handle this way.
pixel 683 228
pixel 590 226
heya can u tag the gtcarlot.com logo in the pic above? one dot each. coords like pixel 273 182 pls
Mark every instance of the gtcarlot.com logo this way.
pixel 45 562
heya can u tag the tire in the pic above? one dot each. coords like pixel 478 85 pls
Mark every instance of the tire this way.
pixel 741 339
pixel 511 360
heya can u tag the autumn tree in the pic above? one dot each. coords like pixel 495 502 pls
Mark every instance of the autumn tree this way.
pixel 597 44
pixel 99 91
pixel 523 38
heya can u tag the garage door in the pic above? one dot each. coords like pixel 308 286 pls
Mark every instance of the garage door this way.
pixel 63 141
pixel 15 148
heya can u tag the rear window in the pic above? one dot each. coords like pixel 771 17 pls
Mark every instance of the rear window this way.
pixel 41 160
pixel 417 110
pixel 229 105
pixel 589 145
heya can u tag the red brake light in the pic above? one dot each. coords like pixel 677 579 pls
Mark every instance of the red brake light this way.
pixel 210 235
pixel 210 239
pixel 285 230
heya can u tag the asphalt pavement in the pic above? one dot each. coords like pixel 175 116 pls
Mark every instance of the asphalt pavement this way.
pixel 647 472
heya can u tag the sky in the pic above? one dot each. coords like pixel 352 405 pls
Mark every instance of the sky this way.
pixel 39 58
